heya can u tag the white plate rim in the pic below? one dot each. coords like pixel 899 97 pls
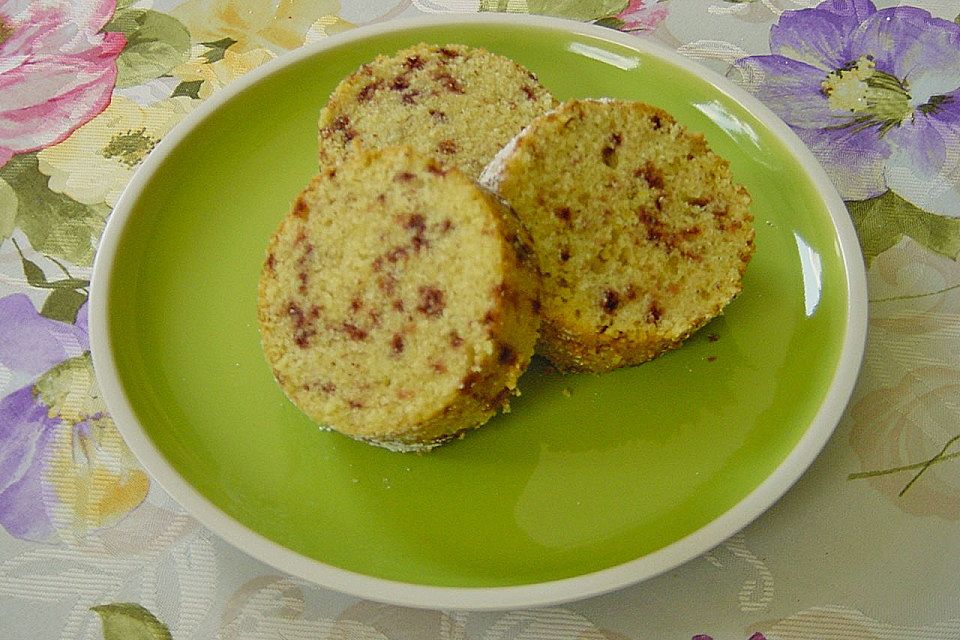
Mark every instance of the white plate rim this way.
pixel 727 524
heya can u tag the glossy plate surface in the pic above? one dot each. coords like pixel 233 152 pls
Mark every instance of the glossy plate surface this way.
pixel 592 481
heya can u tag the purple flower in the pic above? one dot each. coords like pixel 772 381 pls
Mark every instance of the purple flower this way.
pixel 32 344
pixel 63 468
pixel 874 94
pixel 25 432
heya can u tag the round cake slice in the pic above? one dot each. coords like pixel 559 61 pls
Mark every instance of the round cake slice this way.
pixel 456 103
pixel 398 300
pixel 641 234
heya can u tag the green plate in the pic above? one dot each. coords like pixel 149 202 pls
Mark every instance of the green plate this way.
pixel 592 481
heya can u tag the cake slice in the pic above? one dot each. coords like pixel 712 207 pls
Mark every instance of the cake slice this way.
pixel 455 103
pixel 641 234
pixel 397 302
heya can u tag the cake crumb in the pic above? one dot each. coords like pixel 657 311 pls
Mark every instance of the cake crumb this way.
pixel 385 102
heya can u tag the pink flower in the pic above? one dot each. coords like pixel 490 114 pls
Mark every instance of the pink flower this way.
pixel 641 16
pixel 57 70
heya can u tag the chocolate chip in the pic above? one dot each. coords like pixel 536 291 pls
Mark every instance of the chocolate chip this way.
pixel 387 283
pixel 609 157
pixel 468 382
pixel 355 332
pixel 300 209
pixel 507 356
pixel 435 169
pixel 431 302
pixel 450 83
pixel 609 152
pixel 367 92
pixel 656 230
pixel 610 301
pixel 303 277
pixel 655 312
pixel 395 254
pixel 303 328
pixel 418 225
pixel 650 173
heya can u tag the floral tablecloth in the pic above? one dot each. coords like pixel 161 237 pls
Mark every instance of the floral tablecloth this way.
pixel 866 546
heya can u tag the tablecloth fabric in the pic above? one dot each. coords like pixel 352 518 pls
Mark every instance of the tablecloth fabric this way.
pixel 866 546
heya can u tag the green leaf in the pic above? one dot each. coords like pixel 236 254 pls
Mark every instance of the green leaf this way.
pixel 156 43
pixel 190 89
pixel 55 224
pixel 578 9
pixel 611 22
pixel 123 4
pixel 494 5
pixel 63 305
pixel 8 209
pixel 33 273
pixel 957 19
pixel 130 621
pixel 216 49
pixel 882 221
pixel 37 278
